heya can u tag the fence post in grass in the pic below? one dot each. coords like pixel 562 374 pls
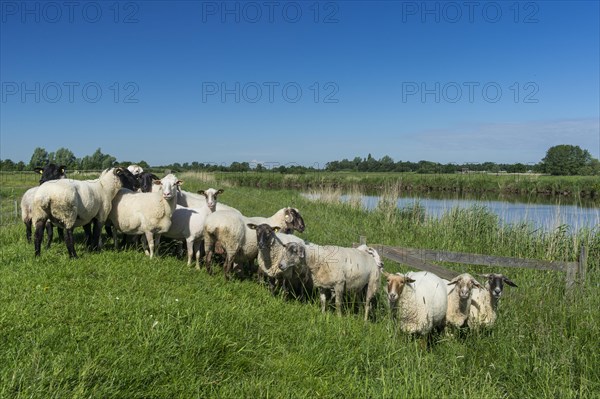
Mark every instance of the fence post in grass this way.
pixel 582 264
pixel 571 275
pixel 362 240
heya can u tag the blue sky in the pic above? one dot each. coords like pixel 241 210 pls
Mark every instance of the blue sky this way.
pixel 304 82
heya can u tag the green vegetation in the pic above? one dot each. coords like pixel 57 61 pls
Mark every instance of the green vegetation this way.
pixel 119 325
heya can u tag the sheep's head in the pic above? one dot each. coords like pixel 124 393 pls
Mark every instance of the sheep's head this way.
pixel 51 172
pixel 211 197
pixel 294 255
pixel 293 220
pixel 146 180
pixel 395 285
pixel 464 284
pixel 128 180
pixel 371 251
pixel 265 234
pixel 135 169
pixel 495 284
pixel 170 184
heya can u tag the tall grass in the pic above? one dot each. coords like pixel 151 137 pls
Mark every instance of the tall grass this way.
pixel 117 324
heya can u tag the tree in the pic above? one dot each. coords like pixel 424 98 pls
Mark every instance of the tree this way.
pixel 65 157
pixel 566 159
pixel 39 158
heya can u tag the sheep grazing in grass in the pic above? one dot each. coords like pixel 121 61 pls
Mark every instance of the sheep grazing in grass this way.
pixel 48 172
pixel 188 224
pixel 460 290
pixel 149 214
pixel 418 299
pixel 230 229
pixel 71 203
pixel 484 302
pixel 337 270
pixel 273 263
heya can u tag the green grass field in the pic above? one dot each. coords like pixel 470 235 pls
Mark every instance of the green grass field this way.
pixel 119 325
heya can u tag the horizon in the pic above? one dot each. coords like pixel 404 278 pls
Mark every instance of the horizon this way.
pixel 300 82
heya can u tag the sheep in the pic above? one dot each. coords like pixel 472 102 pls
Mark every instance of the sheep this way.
pixel 145 213
pixel 237 239
pixel 419 299
pixel 273 251
pixel 146 181
pixel 338 270
pixel 188 224
pixel 135 169
pixel 48 172
pixel 71 203
pixel 460 290
pixel 191 200
pixel 484 302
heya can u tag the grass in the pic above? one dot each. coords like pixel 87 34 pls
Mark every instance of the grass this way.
pixel 119 325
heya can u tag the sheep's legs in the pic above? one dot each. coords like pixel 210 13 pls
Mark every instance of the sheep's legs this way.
pixel 40 225
pixel 323 296
pixel 50 231
pixel 339 293
pixel 69 242
pixel 28 224
pixel 87 229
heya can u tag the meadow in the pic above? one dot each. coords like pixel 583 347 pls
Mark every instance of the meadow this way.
pixel 120 325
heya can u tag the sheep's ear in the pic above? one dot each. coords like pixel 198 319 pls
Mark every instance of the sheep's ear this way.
pixel 179 182
pixel 288 216
pixel 485 275
pixel 38 170
pixel 220 191
pixel 408 279
pixel 276 228
pixel 252 226
pixel 453 282
pixel 385 274
pixel 157 182
pixel 201 192
pixel 507 281
pixel 62 169
pixel 153 176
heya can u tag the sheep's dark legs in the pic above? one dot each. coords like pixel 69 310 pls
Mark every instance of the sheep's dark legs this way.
pixel 28 224
pixel 61 234
pixel 95 245
pixel 39 236
pixel 87 229
pixel 70 244
pixel 50 231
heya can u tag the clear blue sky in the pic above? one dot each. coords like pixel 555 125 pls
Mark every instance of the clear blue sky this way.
pixel 305 82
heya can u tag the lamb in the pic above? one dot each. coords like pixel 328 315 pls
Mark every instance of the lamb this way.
pixel 460 290
pixel 419 299
pixel 71 203
pixel 188 224
pixel 238 240
pixel 48 172
pixel 338 270
pixel 484 302
pixel 150 214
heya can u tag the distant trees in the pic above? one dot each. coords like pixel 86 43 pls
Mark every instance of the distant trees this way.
pixel 559 160
pixel 565 159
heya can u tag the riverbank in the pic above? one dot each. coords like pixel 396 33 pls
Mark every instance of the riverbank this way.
pixel 517 184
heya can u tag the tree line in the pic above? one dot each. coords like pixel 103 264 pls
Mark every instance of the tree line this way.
pixel 559 160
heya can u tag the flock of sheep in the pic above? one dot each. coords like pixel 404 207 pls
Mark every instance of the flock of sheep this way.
pixel 134 202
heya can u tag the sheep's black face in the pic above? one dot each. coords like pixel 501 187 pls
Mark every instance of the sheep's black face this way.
pixel 128 180
pixel 146 180
pixel 51 172
pixel 265 234
pixel 296 223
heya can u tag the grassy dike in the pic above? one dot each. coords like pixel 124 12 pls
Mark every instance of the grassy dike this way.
pixel 119 325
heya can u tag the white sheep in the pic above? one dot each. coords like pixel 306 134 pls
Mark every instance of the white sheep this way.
pixel 188 224
pixel 238 241
pixel 418 299
pixel 71 203
pixel 460 290
pixel 149 214
pixel 135 169
pixel 336 270
pixel 484 302
pixel 196 201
